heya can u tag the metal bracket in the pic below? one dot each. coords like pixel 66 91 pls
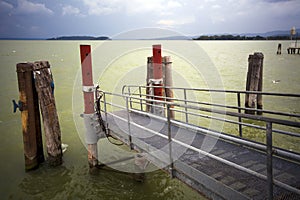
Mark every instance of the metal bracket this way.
pixel 93 130
pixel 156 81
pixel 91 88
pixel 17 105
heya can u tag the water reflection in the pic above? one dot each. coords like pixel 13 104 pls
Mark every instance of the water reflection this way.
pixel 46 182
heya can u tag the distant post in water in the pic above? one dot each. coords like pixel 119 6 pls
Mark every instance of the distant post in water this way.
pixel 254 83
pixel 44 85
pixel 30 116
pixel 279 49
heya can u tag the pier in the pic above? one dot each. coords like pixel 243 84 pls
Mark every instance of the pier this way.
pixel 293 48
pixel 199 138
pixel 231 166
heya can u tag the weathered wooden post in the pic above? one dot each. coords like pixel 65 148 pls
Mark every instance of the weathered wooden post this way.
pixel 254 82
pixel 279 49
pixel 44 86
pixel 89 100
pixel 31 126
pixel 168 81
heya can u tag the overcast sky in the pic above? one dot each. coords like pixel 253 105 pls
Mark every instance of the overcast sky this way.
pixel 52 18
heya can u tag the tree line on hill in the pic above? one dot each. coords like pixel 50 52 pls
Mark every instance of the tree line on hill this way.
pixel 238 37
pixel 80 38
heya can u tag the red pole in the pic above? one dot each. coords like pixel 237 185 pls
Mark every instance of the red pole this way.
pixel 88 95
pixel 157 70
pixel 87 77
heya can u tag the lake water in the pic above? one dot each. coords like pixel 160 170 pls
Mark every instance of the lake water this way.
pixel 222 64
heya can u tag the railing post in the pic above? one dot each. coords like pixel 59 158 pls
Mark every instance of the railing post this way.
pixel 141 102
pixel 239 110
pixel 128 124
pixel 171 167
pixel 269 160
pixel 185 108
pixel 105 113
pixel 129 93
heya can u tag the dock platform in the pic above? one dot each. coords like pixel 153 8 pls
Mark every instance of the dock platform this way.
pixel 217 164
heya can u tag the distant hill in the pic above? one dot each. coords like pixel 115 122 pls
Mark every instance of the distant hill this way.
pixel 271 35
pixel 174 38
pixel 80 38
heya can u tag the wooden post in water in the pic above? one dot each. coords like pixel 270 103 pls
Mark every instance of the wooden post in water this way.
pixel 168 80
pixel 44 86
pixel 89 99
pixel 254 82
pixel 31 126
pixel 279 49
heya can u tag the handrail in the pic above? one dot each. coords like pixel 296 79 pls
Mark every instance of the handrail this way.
pixel 215 90
pixel 188 105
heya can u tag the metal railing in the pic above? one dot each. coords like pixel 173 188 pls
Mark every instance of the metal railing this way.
pixel 136 101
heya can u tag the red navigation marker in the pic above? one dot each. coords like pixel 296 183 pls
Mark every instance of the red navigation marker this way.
pixel 157 71
pixel 87 78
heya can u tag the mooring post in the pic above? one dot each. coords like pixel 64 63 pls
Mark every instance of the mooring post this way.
pixel 89 99
pixel 259 105
pixel 157 80
pixel 148 78
pixel 279 49
pixel 168 81
pixel 254 82
pixel 30 117
pixel 140 164
pixel 44 85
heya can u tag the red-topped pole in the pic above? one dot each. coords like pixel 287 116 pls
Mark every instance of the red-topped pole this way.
pixel 87 78
pixel 89 99
pixel 157 71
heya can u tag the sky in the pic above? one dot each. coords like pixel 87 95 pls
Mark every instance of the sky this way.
pixel 53 18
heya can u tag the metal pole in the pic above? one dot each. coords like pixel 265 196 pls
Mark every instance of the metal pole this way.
pixel 129 93
pixel 171 167
pixel 269 160
pixel 239 110
pixel 186 114
pixel 128 124
pixel 141 102
pixel 88 95
pixel 105 112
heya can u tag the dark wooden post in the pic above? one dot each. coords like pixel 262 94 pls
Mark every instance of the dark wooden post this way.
pixel 254 82
pixel 31 126
pixel 259 105
pixel 279 49
pixel 44 87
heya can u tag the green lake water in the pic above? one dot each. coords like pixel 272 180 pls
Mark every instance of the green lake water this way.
pixel 117 63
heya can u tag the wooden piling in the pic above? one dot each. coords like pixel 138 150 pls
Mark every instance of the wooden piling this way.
pixel 43 83
pixel 168 81
pixel 89 99
pixel 31 126
pixel 259 104
pixel 254 82
pixel 279 49
pixel 148 78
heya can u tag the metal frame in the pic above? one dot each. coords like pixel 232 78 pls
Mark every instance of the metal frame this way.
pixel 188 106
